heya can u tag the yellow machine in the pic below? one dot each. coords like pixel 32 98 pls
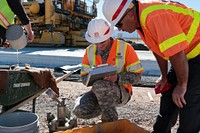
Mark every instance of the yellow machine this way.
pixel 60 22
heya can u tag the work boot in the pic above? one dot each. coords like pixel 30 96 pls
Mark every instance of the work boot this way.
pixel 103 118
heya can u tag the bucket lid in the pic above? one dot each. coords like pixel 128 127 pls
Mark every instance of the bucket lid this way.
pixel 14 32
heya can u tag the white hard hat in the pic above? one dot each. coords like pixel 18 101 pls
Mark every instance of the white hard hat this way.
pixel 98 30
pixel 113 10
pixel 16 37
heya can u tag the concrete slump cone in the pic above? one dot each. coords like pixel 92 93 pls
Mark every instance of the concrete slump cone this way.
pixel 16 37
pixel 19 122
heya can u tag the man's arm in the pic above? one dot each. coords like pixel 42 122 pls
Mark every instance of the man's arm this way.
pixel 180 65
pixel 17 8
pixel 163 65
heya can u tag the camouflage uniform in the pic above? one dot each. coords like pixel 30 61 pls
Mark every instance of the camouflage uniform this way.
pixel 105 95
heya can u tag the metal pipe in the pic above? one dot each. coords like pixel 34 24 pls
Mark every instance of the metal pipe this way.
pixel 47 11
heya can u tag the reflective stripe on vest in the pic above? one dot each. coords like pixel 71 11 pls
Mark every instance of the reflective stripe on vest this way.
pixel 172 41
pixel 120 55
pixel 91 53
pixel 4 21
pixel 191 32
pixel 194 52
pixel 136 67
pixel 6 14
pixel 85 69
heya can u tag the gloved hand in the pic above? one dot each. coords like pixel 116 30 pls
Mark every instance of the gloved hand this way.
pixel 166 87
pixel 5 43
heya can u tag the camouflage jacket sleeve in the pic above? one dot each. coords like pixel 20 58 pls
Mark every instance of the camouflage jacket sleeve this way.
pixel 83 78
pixel 129 78
pixel 123 78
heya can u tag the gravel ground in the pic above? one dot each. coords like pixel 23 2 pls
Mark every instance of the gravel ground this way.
pixel 141 109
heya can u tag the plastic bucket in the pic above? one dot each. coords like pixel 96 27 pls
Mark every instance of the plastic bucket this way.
pixel 19 122
pixel 16 37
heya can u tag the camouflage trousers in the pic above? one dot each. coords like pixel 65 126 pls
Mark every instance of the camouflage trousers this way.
pixel 102 99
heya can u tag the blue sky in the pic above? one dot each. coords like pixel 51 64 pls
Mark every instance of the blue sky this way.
pixel 190 3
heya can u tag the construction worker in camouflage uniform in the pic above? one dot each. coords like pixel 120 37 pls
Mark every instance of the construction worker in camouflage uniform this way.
pixel 115 90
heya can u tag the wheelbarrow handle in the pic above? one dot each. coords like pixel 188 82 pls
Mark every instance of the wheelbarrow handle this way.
pixel 59 79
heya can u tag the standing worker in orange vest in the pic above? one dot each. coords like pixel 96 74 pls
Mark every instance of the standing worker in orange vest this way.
pixel 172 31
pixel 8 10
pixel 114 90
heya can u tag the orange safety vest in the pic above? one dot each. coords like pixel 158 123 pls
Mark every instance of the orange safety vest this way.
pixel 170 27
pixel 122 55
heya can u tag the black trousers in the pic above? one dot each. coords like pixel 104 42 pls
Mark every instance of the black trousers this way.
pixel 189 115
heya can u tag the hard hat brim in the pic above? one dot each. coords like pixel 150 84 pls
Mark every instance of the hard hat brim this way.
pixel 101 39
pixel 114 22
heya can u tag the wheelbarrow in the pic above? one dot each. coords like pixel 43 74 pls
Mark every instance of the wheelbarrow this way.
pixel 15 86
pixel 119 126
pixel 18 88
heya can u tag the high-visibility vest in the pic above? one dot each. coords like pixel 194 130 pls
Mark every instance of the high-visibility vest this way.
pixel 121 55
pixel 6 14
pixel 170 27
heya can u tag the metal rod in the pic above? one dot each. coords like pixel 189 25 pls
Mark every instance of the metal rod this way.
pixel 59 79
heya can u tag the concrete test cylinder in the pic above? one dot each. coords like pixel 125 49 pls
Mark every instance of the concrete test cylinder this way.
pixel 19 122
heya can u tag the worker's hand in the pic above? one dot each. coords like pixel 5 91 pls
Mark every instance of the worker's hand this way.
pixel 161 81
pixel 6 44
pixel 111 78
pixel 29 31
pixel 31 37
pixel 178 95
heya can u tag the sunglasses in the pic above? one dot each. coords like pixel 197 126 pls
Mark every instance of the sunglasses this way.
pixel 120 24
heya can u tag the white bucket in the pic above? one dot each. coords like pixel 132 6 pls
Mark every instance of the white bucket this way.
pixel 16 37
pixel 19 122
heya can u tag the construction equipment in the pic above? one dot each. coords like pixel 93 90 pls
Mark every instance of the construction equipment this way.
pixel 60 22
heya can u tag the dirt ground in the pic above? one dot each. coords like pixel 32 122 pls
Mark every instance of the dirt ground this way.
pixel 142 109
